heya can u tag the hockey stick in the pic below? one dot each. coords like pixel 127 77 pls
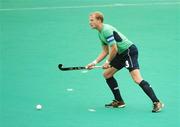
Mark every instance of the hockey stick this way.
pixel 60 66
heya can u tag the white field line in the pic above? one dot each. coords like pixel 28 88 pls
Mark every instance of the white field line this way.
pixel 92 6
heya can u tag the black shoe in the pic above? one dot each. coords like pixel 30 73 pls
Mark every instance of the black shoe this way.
pixel 115 104
pixel 157 106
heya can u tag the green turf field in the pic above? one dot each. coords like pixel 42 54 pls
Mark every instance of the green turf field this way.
pixel 35 36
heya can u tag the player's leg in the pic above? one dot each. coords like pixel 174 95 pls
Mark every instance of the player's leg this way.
pixel 136 76
pixel 133 67
pixel 146 87
pixel 113 85
pixel 116 64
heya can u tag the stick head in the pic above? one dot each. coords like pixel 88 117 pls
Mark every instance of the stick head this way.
pixel 60 66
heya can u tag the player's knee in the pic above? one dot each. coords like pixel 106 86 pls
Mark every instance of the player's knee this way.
pixel 107 75
pixel 137 81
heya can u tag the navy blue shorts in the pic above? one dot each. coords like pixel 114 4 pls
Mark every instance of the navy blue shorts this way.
pixel 127 59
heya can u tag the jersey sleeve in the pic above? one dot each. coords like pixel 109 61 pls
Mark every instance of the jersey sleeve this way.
pixel 102 42
pixel 108 34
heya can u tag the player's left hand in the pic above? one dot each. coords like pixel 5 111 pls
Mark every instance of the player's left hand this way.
pixel 106 65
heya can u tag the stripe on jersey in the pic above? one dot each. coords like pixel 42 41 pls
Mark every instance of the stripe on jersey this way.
pixel 110 38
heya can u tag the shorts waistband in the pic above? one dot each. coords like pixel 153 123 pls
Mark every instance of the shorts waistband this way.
pixel 126 51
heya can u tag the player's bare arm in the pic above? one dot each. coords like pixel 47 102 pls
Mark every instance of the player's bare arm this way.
pixel 112 53
pixel 101 56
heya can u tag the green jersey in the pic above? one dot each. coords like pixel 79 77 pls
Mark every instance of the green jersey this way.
pixel 110 35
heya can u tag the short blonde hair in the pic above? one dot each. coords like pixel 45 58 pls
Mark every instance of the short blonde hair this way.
pixel 98 16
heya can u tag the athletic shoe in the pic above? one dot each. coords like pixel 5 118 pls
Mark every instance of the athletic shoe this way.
pixel 157 106
pixel 115 104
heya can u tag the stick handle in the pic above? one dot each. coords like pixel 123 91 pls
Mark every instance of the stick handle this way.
pixel 95 67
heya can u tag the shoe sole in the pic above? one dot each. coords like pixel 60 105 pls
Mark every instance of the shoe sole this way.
pixel 122 106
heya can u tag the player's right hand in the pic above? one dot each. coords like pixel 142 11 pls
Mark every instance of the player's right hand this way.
pixel 90 66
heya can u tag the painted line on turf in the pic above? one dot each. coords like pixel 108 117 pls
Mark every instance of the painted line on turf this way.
pixel 84 71
pixel 91 6
pixel 69 89
pixel 91 110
